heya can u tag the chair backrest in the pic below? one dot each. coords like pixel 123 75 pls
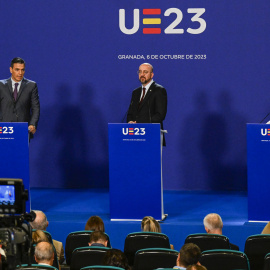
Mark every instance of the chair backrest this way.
pixel 224 259
pixel 266 265
pixel 141 240
pixel 78 239
pixel 256 247
pixel 101 267
pixel 35 267
pixel 207 241
pixel 152 258
pixel 87 256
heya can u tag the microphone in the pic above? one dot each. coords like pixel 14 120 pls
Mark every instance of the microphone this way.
pixel 265 117
pixel 127 111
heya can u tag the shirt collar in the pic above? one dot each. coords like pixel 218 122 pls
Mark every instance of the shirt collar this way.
pixel 13 83
pixel 148 85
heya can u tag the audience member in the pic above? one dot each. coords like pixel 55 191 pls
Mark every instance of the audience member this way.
pixel 39 236
pixel 213 224
pixel 95 223
pixel 115 257
pixel 189 254
pixel 196 267
pixel 149 224
pixel 41 223
pixel 266 229
pixel 44 253
pixel 98 239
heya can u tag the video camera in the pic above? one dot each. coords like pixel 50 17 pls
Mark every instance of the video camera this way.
pixel 15 232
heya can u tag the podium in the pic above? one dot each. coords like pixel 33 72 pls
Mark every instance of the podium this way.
pixel 14 153
pixel 135 171
pixel 258 160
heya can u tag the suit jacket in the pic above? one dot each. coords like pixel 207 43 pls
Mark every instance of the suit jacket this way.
pixel 59 251
pixel 25 109
pixel 153 108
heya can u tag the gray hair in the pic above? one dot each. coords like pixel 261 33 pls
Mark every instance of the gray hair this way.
pixel 213 221
pixel 40 222
pixel 44 251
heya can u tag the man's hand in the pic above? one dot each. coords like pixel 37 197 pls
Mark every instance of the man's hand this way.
pixel 132 122
pixel 32 129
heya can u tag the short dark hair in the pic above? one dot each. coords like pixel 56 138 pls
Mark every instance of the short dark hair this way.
pixel 115 257
pixel 17 60
pixel 98 236
pixel 189 254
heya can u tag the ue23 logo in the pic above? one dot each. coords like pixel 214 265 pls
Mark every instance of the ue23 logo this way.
pixel 156 22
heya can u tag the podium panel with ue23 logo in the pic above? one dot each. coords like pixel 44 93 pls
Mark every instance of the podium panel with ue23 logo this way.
pixel 14 153
pixel 258 161
pixel 135 170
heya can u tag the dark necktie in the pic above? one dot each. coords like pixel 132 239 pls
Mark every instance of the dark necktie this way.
pixel 15 93
pixel 142 96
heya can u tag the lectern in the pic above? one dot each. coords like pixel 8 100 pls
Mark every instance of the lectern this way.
pixel 135 170
pixel 258 161
pixel 14 153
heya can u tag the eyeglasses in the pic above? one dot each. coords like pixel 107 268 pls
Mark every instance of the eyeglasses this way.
pixel 144 72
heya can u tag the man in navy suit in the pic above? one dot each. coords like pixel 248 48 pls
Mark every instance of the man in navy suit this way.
pixel 19 100
pixel 149 101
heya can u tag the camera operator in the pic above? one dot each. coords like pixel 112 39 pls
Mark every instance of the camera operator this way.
pixel 41 223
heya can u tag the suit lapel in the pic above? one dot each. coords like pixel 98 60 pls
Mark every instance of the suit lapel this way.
pixel 9 84
pixel 23 84
pixel 9 88
pixel 148 94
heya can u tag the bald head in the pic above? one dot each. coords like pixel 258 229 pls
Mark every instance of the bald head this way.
pixel 147 65
pixel 145 73
pixel 40 222
pixel 44 253
pixel 213 223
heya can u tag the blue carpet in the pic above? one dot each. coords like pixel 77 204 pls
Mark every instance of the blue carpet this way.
pixel 68 210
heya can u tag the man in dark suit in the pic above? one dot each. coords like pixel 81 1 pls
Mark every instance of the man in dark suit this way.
pixel 213 224
pixel 19 100
pixel 149 101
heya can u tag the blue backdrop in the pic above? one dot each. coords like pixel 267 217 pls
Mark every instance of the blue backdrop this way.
pixel 74 51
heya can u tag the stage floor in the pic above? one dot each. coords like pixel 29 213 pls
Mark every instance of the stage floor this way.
pixel 68 210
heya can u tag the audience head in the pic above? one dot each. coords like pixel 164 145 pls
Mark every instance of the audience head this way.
pixel 44 253
pixel 95 223
pixel 213 223
pixel 40 222
pixel 189 254
pixel 98 237
pixel 115 257
pixel 149 224
pixel 196 267
pixel 39 236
